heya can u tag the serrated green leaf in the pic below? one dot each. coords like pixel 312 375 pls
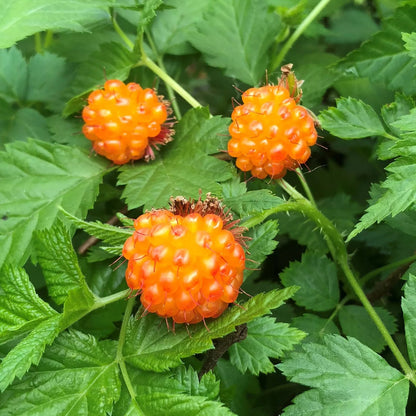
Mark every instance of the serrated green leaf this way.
pixel 383 58
pixel 59 262
pixel 13 75
pixel 262 243
pixel 348 379
pixel 48 77
pixel 396 194
pixel 180 168
pixel 315 326
pixel 36 177
pixel 265 338
pixel 236 35
pixel 79 303
pixel 110 234
pixel 407 122
pixel 29 351
pixel 21 309
pixel 111 61
pixel 21 18
pixel 356 322
pixel 23 124
pixel 175 393
pixel 173 26
pixel 409 314
pixel 67 131
pixel 76 376
pixel 351 119
pixel 393 111
pixel 317 277
pixel 410 43
pixel 151 347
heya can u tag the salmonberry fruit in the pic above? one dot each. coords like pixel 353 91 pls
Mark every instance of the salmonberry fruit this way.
pixel 124 121
pixel 270 133
pixel 186 263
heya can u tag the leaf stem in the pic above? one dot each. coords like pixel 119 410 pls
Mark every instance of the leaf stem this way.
pixel 120 32
pixel 305 186
pixel 169 89
pixel 390 136
pixel 299 30
pixel 120 358
pixel 339 253
pixel 100 302
pixel 145 60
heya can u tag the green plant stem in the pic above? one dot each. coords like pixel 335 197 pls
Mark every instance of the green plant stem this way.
pixel 100 302
pixel 339 253
pixel 48 39
pixel 390 136
pixel 305 186
pixel 145 60
pixel 169 89
pixel 38 43
pixel 120 358
pixel 296 34
pixel 389 266
pixel 123 36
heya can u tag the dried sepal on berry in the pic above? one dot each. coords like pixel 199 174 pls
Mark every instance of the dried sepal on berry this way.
pixel 270 132
pixel 186 263
pixel 125 122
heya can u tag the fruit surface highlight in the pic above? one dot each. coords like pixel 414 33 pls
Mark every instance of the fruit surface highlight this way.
pixel 270 133
pixel 186 263
pixel 125 121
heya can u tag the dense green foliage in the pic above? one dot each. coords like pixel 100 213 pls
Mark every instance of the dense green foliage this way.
pixel 330 316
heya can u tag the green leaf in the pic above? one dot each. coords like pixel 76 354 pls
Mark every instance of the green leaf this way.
pixel 67 131
pixel 174 25
pixel 149 348
pixel 29 351
pixel 110 234
pixel 111 61
pixel 36 178
pixel 351 119
pixel 265 338
pixel 396 194
pixel 356 322
pixel 79 303
pixel 22 18
pixel 410 43
pixel 383 58
pixel 13 75
pixel 21 309
pixel 48 78
pixel 315 326
pixel 262 243
pixel 59 262
pixel 348 379
pixel 181 167
pixel 176 393
pixel 317 277
pixel 22 124
pixel 406 123
pixel 409 314
pixel 76 376
pixel 236 35
pixel 393 111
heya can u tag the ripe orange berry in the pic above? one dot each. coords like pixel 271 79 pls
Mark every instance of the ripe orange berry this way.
pixel 186 263
pixel 270 133
pixel 124 121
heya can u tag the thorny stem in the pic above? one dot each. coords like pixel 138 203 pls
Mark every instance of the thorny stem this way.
pixel 169 89
pixel 277 61
pixel 305 186
pixel 120 358
pixel 339 253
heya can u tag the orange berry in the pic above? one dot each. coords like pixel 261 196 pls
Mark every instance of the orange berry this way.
pixel 187 263
pixel 124 121
pixel 270 133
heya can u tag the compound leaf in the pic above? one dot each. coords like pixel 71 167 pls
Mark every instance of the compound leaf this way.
pixel 36 178
pixel 181 167
pixel 236 35
pixel 317 277
pixel 347 379
pixel 76 376
pixel 148 348
pixel 409 314
pixel 351 119
pixel 265 338
pixel 383 58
